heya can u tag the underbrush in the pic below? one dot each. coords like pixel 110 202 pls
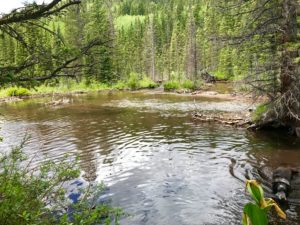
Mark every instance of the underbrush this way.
pixel 136 82
pixel 171 85
pixel 147 83
pixel 35 194
pixel 188 84
pixel 63 86
pixel 259 112
pixel 17 91
pixel 184 84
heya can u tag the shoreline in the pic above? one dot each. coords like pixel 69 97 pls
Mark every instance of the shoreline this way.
pixel 201 93
pixel 231 118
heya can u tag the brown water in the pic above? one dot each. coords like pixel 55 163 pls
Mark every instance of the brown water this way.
pixel 159 165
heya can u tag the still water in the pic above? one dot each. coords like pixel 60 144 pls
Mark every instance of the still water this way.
pixel 159 165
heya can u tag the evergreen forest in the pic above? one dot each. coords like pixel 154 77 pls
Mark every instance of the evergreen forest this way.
pixel 127 91
pixel 256 42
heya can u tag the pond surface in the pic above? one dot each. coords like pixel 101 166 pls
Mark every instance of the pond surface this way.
pixel 160 166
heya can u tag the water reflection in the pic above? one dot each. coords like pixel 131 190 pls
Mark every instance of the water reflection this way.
pixel 159 165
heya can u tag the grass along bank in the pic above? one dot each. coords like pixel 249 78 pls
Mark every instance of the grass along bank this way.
pixel 64 86
pixel 71 86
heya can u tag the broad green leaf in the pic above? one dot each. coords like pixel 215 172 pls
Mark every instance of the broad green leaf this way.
pixel 254 215
pixel 256 192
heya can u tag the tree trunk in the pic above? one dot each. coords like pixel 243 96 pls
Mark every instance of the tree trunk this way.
pixel 288 67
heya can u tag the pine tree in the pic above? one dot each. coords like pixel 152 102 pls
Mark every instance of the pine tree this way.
pixel 191 47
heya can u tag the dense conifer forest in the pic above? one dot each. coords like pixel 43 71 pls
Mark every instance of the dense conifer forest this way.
pixel 256 42
pixel 149 145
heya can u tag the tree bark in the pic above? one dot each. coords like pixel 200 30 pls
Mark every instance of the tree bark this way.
pixel 288 67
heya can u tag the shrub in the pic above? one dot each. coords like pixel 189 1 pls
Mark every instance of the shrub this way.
pixel 171 85
pixel 256 213
pixel 188 84
pixel 18 91
pixel 36 196
pixel 121 85
pixel 133 82
pixel 146 82
pixel 198 84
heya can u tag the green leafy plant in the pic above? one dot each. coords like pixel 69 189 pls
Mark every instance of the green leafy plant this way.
pixel 188 84
pixel 35 194
pixel 146 82
pixel 257 213
pixel 120 85
pixel 133 82
pixel 171 85
pixel 18 91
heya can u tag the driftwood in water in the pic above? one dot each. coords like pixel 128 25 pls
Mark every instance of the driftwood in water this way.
pixel 223 119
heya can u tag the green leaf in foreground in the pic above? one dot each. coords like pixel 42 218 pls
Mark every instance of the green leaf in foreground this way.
pixel 256 213
pixel 256 191
pixel 253 215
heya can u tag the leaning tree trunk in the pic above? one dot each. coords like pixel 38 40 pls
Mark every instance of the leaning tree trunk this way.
pixel 289 37
pixel 285 108
pixel 288 104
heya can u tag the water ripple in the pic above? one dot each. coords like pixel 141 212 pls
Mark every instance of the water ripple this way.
pixel 159 166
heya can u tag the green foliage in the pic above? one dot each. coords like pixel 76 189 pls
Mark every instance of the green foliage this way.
pixel 35 195
pixel 256 213
pixel 259 111
pixel 153 37
pixel 171 85
pixel 188 84
pixel 185 84
pixel 18 91
pixel 133 81
pixel 70 85
pixel 147 83
pixel 124 22
pixel 63 86
pixel 220 75
pixel 120 85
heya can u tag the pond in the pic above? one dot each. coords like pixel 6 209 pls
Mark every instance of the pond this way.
pixel 159 165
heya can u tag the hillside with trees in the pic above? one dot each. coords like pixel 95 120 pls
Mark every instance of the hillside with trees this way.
pixel 256 42
pixel 163 156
